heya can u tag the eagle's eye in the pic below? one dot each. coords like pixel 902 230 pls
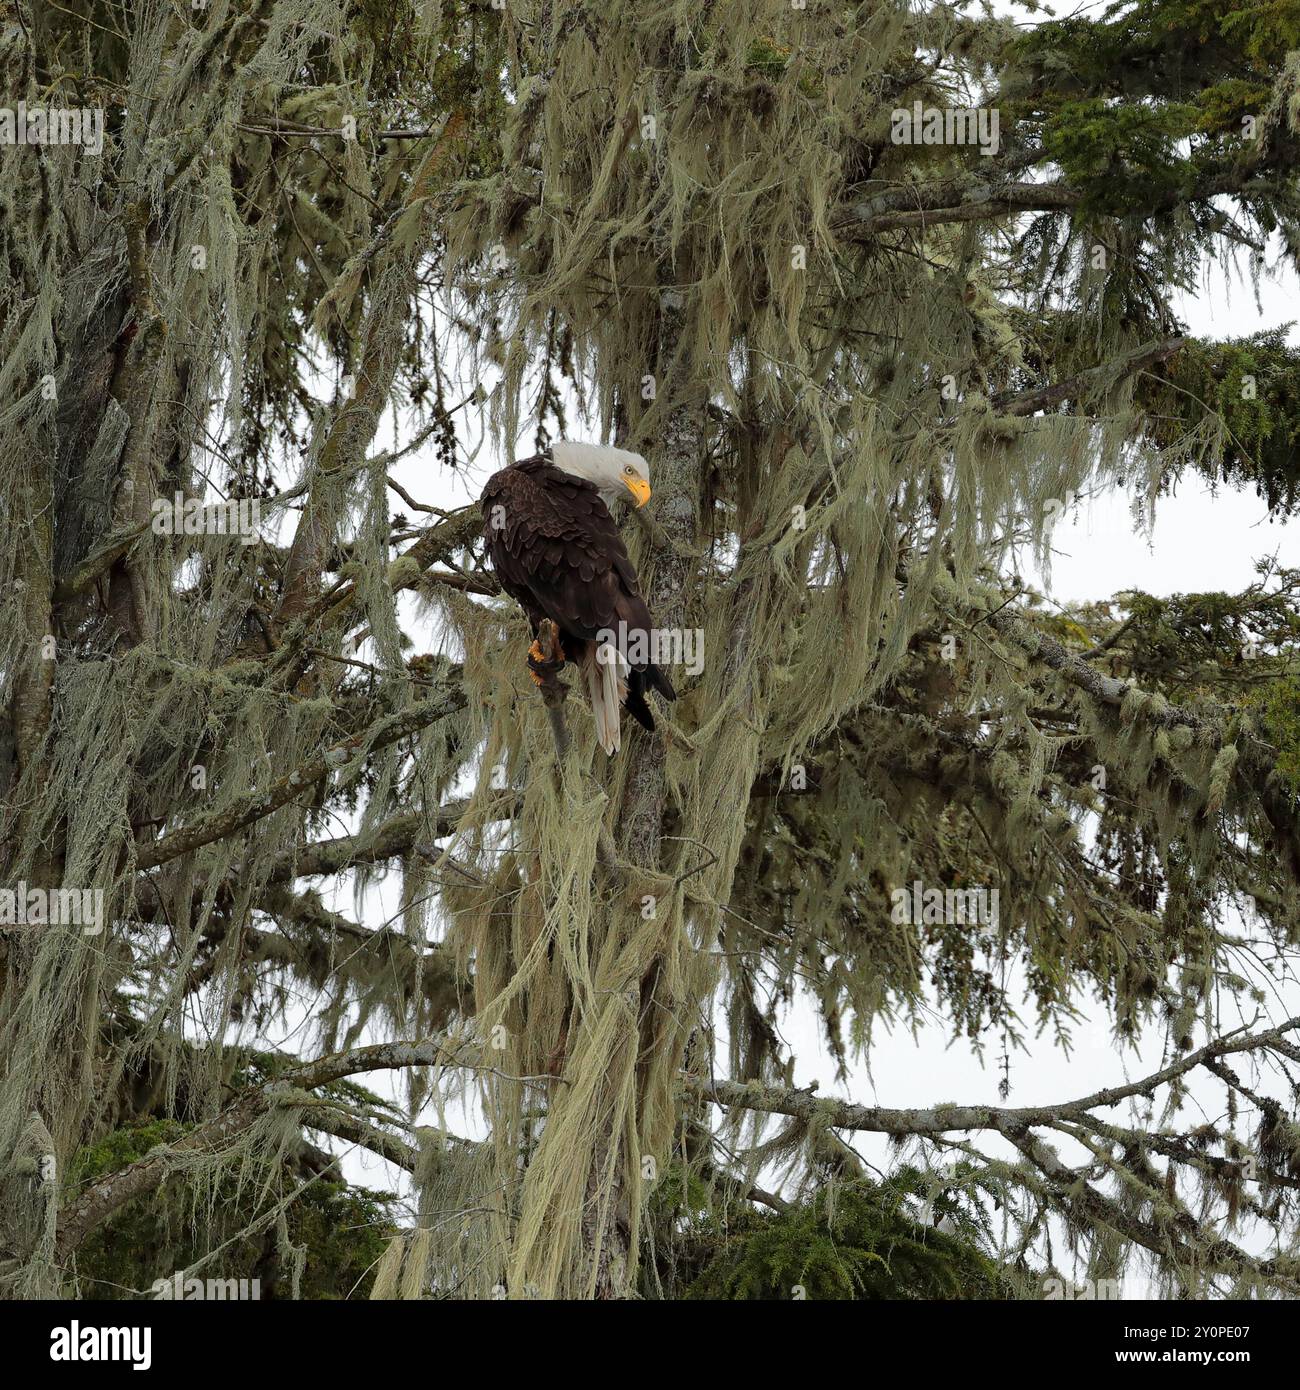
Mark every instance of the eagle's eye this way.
pixel 628 469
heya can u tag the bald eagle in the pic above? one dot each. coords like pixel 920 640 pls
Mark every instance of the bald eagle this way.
pixel 555 548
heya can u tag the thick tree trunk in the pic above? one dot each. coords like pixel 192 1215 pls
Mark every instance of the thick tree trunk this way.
pixel 675 468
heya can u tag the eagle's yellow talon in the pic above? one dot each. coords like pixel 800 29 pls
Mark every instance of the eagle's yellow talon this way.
pixel 535 651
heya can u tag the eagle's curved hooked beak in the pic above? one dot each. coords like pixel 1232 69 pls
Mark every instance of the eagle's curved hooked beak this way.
pixel 639 488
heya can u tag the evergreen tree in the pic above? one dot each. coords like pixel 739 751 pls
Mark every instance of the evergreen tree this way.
pixel 867 367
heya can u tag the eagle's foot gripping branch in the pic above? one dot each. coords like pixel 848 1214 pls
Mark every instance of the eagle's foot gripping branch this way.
pixel 545 659
pixel 544 668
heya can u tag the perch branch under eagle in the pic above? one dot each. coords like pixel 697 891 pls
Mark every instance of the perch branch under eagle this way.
pixel 555 548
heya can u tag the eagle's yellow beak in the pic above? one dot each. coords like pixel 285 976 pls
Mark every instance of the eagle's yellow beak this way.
pixel 639 488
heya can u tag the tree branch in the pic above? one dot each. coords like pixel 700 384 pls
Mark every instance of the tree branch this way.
pixel 944 1119
pixel 254 806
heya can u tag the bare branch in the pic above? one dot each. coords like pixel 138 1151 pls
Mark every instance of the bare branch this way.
pixel 255 807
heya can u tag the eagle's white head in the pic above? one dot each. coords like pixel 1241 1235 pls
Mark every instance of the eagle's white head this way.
pixel 612 470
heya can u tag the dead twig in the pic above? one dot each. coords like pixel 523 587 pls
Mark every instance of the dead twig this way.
pixel 546 669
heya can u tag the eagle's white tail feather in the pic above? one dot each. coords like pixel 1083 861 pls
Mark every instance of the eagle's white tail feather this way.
pixel 606 689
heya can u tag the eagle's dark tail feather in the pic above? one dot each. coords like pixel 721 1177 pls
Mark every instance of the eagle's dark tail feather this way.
pixel 638 682
pixel 656 680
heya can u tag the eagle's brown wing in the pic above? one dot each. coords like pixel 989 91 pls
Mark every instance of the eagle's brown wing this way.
pixel 555 548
